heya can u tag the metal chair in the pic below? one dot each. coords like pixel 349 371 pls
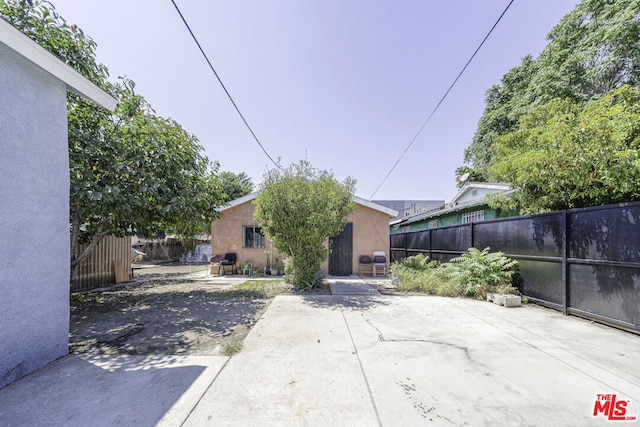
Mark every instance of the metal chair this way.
pixel 379 261
pixel 366 264
pixel 229 259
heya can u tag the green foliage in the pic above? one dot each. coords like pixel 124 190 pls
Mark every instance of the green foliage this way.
pixel 592 51
pixel 231 348
pixel 504 104
pixel 300 209
pixel 472 275
pixel 565 155
pixel 39 20
pixel 234 186
pixel 478 272
pixel 415 274
pixel 417 262
pixel 131 170
pixel 263 288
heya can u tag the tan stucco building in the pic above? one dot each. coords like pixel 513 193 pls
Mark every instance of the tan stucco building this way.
pixel 367 231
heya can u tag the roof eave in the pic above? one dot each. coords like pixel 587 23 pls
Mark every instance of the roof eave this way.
pixel 35 53
pixel 358 200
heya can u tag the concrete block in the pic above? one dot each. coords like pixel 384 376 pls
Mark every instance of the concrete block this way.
pixel 506 300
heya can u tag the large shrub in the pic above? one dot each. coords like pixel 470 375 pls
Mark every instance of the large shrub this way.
pixel 478 272
pixel 300 208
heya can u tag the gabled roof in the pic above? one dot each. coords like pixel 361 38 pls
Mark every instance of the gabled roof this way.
pixel 356 199
pixel 470 186
pixel 454 205
pixel 35 53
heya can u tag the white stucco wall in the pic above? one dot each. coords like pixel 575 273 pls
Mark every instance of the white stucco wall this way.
pixel 34 213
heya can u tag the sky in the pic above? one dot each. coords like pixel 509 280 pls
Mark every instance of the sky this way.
pixel 345 84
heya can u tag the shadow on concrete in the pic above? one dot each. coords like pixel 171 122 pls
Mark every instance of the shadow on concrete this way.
pixel 345 302
pixel 85 391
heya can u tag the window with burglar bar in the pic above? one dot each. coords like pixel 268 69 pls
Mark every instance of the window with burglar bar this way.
pixel 253 237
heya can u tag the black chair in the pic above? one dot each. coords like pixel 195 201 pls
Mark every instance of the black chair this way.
pixel 229 259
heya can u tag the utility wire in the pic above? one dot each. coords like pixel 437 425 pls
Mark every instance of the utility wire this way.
pixel 223 86
pixel 441 100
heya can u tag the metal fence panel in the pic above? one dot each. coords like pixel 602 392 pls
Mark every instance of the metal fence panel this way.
pixel 607 291
pixel 611 234
pixel 398 240
pixel 539 235
pixel 541 280
pixel 418 240
pixel 456 238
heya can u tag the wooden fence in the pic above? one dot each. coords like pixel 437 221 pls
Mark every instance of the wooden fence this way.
pixel 110 256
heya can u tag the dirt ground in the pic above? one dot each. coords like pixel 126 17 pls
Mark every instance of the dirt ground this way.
pixel 168 309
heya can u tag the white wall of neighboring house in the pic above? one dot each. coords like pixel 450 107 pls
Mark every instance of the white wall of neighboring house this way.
pixel 478 190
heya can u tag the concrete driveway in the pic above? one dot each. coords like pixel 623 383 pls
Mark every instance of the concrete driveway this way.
pixel 356 361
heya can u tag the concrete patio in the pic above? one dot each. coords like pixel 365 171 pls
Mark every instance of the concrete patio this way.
pixel 354 360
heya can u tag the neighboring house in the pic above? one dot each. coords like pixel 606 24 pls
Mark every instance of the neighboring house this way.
pixel 469 205
pixel 34 202
pixel 367 231
pixel 407 208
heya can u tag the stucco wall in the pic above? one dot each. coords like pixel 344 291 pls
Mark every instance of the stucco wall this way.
pixel 226 235
pixel 34 218
pixel 370 233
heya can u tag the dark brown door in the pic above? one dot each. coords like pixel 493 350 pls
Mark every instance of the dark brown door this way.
pixel 341 252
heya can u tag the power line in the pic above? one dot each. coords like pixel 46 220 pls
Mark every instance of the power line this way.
pixel 441 100
pixel 223 86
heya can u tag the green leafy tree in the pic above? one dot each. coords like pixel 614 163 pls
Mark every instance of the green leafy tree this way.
pixel 592 50
pixel 565 155
pixel 39 20
pixel 300 209
pixel 136 172
pixel 235 185
pixel 504 105
pixel 131 171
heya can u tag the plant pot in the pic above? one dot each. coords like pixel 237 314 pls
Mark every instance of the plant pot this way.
pixel 274 272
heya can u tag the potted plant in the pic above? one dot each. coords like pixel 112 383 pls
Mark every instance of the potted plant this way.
pixel 246 268
pixel 274 267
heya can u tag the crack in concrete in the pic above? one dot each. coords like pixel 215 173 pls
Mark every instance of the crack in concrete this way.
pixel 486 371
pixel 382 338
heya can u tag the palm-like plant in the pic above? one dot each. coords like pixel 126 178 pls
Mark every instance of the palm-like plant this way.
pixel 478 272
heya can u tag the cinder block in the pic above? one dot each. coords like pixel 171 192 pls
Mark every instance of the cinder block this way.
pixel 507 300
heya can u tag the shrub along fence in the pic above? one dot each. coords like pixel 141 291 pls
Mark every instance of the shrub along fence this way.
pixel 585 262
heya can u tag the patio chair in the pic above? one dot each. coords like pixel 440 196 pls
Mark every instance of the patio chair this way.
pixel 379 261
pixel 229 259
pixel 365 265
